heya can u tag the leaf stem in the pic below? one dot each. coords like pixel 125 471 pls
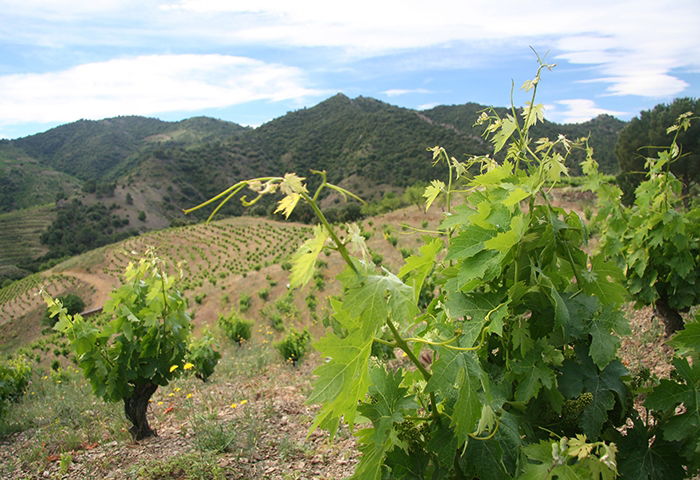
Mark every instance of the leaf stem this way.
pixel 324 221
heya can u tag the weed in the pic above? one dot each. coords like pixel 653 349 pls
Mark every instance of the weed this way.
pixel 188 466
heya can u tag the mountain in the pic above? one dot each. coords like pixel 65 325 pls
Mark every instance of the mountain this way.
pixel 363 137
pixel 101 150
pixel 133 174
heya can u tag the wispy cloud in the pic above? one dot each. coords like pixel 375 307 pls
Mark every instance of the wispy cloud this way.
pixel 627 47
pixel 576 110
pixel 634 45
pixel 146 85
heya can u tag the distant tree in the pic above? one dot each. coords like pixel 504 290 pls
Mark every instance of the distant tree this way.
pixel 649 129
pixel 142 215
pixel 129 199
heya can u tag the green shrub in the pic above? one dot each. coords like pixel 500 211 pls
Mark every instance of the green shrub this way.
pixel 294 346
pixel 202 356
pixel 199 298
pixel 276 321
pixel 244 303
pixel 14 378
pixel 235 327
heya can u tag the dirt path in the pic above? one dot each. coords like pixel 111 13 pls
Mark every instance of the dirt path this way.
pixel 102 283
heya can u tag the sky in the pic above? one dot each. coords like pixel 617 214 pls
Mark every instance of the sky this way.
pixel 250 61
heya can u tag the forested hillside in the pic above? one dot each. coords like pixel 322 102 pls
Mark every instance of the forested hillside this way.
pixel 137 174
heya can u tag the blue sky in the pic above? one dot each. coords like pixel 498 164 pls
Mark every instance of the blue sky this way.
pixel 249 61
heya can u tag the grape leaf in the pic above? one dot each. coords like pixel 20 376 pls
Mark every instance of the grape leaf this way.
pixel 603 342
pixel 642 458
pixel 373 297
pixel 458 374
pixel 389 402
pixel 432 191
pixel 582 375
pixel 688 340
pixel 343 380
pixel 504 241
pixel 304 259
pixel 603 280
pixel 417 267
pixel 468 243
pixel 684 390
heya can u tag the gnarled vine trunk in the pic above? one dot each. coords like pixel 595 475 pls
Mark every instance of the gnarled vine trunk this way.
pixel 671 318
pixel 135 409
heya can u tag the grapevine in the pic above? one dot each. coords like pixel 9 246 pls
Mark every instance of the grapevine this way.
pixel 521 326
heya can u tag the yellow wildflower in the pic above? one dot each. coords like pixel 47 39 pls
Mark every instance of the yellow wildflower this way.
pixel 243 402
pixel 171 394
pixel 188 366
pixel 234 405
pixel 189 395
pixel 160 403
pixel 173 368
pixel 177 389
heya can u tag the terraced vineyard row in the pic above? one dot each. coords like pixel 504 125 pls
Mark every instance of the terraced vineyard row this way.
pixel 213 251
pixel 19 234
pixel 23 296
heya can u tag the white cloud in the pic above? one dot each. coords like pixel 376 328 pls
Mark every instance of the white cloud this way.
pixel 427 106
pixel 146 85
pixel 634 45
pixel 576 110
pixel 396 92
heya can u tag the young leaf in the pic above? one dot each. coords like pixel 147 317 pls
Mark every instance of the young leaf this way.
pixel 304 259
pixel 432 191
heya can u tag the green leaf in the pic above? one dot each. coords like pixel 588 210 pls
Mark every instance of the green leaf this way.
pixel 343 380
pixel 432 191
pixel 604 343
pixel 515 196
pixel 508 126
pixel 482 267
pixel 504 241
pixel 494 175
pixel 688 339
pixel 287 204
pixel 534 371
pixel 644 458
pixel 458 374
pixel 417 267
pixel 604 280
pixel 468 243
pixel 582 375
pixel 304 259
pixel 373 297
pixel 389 402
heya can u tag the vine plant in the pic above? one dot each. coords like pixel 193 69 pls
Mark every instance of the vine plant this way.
pixel 521 327
pixel 143 345
pixel 657 239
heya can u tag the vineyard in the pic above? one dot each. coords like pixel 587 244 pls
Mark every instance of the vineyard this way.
pixel 19 236
pixel 487 339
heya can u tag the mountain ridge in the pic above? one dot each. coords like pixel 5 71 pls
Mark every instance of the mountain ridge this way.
pixel 141 171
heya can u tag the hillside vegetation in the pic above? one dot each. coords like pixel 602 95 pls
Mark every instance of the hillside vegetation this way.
pixel 146 171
